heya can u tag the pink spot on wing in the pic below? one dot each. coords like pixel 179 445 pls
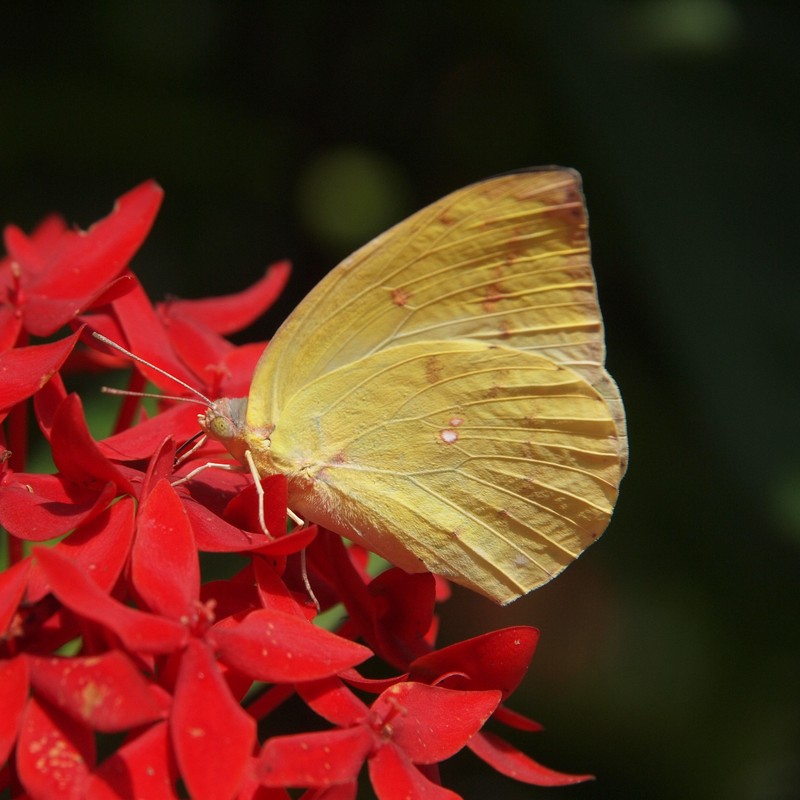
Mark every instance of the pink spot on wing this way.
pixel 448 436
pixel 494 294
pixel 456 421
pixel 400 297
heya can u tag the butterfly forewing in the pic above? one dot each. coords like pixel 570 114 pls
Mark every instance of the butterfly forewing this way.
pixel 504 261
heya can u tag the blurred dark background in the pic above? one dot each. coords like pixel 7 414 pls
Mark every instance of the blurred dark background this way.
pixel 669 658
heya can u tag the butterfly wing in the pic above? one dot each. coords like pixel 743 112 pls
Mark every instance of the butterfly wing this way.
pixel 492 466
pixel 504 261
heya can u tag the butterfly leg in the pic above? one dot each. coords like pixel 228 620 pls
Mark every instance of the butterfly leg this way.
pixel 209 465
pixel 297 520
pixel 261 499
pixel 259 491
pixel 252 469
pixel 306 581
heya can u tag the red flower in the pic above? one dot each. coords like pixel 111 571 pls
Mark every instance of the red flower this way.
pixel 53 275
pixel 409 724
pixel 25 370
pixel 121 628
pixel 261 644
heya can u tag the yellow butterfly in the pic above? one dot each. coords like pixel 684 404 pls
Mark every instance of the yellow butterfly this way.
pixel 440 396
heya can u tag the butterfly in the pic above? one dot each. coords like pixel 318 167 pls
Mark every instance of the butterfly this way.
pixel 440 397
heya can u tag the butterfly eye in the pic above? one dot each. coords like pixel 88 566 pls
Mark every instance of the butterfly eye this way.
pixel 221 427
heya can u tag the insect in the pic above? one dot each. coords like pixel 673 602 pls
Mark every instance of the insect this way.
pixel 441 398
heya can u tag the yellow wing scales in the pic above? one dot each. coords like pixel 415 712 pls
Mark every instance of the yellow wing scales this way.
pixel 492 466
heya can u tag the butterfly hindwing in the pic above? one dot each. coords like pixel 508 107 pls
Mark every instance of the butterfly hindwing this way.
pixel 492 466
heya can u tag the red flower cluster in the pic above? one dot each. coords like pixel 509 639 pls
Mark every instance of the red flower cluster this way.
pixel 125 668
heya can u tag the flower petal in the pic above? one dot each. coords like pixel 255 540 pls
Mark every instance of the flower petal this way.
pixel 333 701
pixel 140 441
pixel 242 510
pixel 334 563
pixel 29 250
pixel 159 466
pixel 324 758
pixel 10 326
pixel 76 453
pixel 277 647
pixel 230 313
pixel 371 685
pixel 80 264
pixel 100 547
pixel 48 400
pixel 143 767
pixel 212 534
pixel 495 660
pixel 430 723
pixel 146 337
pixel 273 592
pixel 14 680
pixel 107 691
pixel 404 607
pixel 24 370
pixel 516 720
pixel 140 632
pixel 13 581
pixel 40 507
pixel 164 565
pixel 54 752
pixel 212 735
pixel 203 350
pixel 394 777
pixel 342 791
pixel 511 762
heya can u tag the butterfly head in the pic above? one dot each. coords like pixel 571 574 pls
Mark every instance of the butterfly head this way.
pixel 225 421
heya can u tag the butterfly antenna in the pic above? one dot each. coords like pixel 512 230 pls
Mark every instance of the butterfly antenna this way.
pixel 114 346
pixel 128 393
